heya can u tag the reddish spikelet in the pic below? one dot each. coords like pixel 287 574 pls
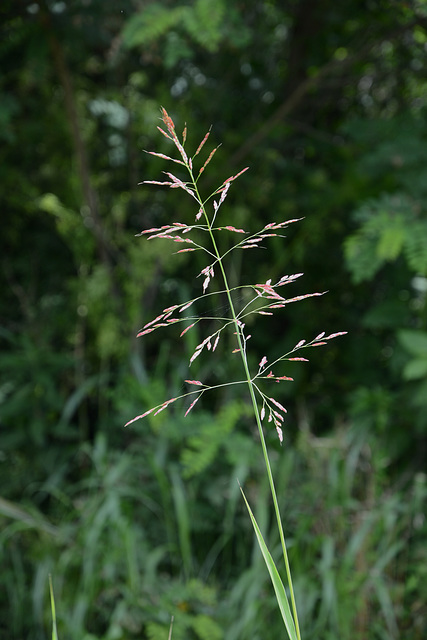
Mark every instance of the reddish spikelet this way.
pixel 187 329
pixel 200 147
pixel 281 407
pixel 153 230
pixel 208 272
pixel 230 228
pixel 164 133
pixel 236 176
pixel 297 359
pixel 281 225
pixel 164 405
pixel 157 319
pixel 180 149
pixel 307 295
pixel 178 239
pixel 163 184
pixel 171 128
pixel 162 155
pixel 335 335
pixel 208 160
pixel 188 304
pixel 223 195
pixel 195 355
pixel 143 333
pixel 179 183
pixel 184 134
pixel 196 382
pixel 253 240
pixel 168 121
pixel 278 416
pixel 192 405
pixel 215 344
pixel 163 235
pixel 139 417
pixel 198 350
pixel 268 289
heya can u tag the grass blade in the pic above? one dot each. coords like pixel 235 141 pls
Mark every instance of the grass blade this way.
pixel 170 630
pixel 52 606
pixel 279 589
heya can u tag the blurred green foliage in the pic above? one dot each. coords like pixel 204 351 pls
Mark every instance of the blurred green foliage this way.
pixel 327 104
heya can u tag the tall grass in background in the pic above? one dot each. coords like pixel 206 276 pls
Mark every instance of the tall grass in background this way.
pixel 116 554
pixel 262 298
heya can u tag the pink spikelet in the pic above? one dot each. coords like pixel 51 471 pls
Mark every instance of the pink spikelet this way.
pixel 215 344
pixel 281 407
pixel 187 329
pixel 165 404
pixel 192 404
pixel 200 147
pixel 232 178
pixel 335 335
pixel 139 417
pixel 162 155
pixel 263 362
pixel 168 121
pixel 211 155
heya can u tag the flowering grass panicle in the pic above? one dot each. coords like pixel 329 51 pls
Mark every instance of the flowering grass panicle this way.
pixel 263 299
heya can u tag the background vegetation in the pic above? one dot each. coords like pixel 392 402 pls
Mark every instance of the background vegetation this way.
pixel 327 103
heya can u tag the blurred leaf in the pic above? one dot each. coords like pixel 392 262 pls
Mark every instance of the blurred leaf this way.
pixel 415 342
pixel 415 369
pixel 391 241
pixel 150 24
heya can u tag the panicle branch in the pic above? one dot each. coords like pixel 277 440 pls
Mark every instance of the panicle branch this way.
pixel 266 298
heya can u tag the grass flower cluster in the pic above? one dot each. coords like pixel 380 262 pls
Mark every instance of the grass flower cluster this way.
pixel 261 298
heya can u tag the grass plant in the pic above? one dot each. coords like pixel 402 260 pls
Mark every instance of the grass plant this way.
pixel 260 299
pixel 53 610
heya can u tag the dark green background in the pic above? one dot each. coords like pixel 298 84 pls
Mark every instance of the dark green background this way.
pixel 326 102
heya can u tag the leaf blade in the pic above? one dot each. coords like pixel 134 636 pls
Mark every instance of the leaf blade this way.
pixel 282 599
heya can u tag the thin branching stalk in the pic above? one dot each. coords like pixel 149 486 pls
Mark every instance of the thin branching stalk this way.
pixel 265 301
pixel 249 382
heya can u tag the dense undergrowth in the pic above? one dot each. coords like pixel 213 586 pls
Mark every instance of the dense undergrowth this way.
pixel 159 529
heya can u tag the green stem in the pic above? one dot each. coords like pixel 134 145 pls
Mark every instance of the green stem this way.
pixel 255 407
